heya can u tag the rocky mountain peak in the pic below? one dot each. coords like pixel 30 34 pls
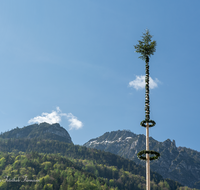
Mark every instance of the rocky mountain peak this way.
pixel 42 130
pixel 169 143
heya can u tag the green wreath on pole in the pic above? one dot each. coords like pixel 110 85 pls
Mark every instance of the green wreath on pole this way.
pixel 139 155
pixel 151 123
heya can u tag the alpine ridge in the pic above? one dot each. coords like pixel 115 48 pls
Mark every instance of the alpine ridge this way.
pixel 177 163
pixel 42 130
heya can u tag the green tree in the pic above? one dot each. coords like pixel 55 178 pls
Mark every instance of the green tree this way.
pixel 2 162
pixel 166 185
pixel 146 47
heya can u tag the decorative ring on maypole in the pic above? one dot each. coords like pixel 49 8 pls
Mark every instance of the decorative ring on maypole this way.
pixel 157 155
pixel 151 123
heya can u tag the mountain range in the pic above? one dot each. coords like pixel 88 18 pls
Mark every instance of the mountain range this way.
pixel 177 163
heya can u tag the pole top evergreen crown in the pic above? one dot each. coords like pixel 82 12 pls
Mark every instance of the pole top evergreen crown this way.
pixel 146 47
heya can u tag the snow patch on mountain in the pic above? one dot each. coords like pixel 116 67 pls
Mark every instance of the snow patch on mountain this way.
pixel 105 142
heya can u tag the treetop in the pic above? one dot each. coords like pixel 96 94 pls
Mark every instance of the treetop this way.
pixel 146 47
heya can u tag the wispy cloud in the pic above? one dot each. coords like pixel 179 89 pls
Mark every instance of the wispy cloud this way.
pixel 139 82
pixel 74 122
pixel 55 117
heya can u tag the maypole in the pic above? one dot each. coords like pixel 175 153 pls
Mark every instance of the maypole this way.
pixel 147 48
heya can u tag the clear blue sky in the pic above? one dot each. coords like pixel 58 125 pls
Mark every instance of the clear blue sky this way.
pixel 72 62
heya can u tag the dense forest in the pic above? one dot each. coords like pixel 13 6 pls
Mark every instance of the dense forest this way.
pixel 58 165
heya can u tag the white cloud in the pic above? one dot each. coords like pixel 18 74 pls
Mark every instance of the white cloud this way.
pixel 139 82
pixel 75 123
pixel 55 117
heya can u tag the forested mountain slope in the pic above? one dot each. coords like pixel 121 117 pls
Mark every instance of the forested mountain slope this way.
pixel 88 168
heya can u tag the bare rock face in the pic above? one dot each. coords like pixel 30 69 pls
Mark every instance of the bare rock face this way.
pixel 42 131
pixel 177 163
